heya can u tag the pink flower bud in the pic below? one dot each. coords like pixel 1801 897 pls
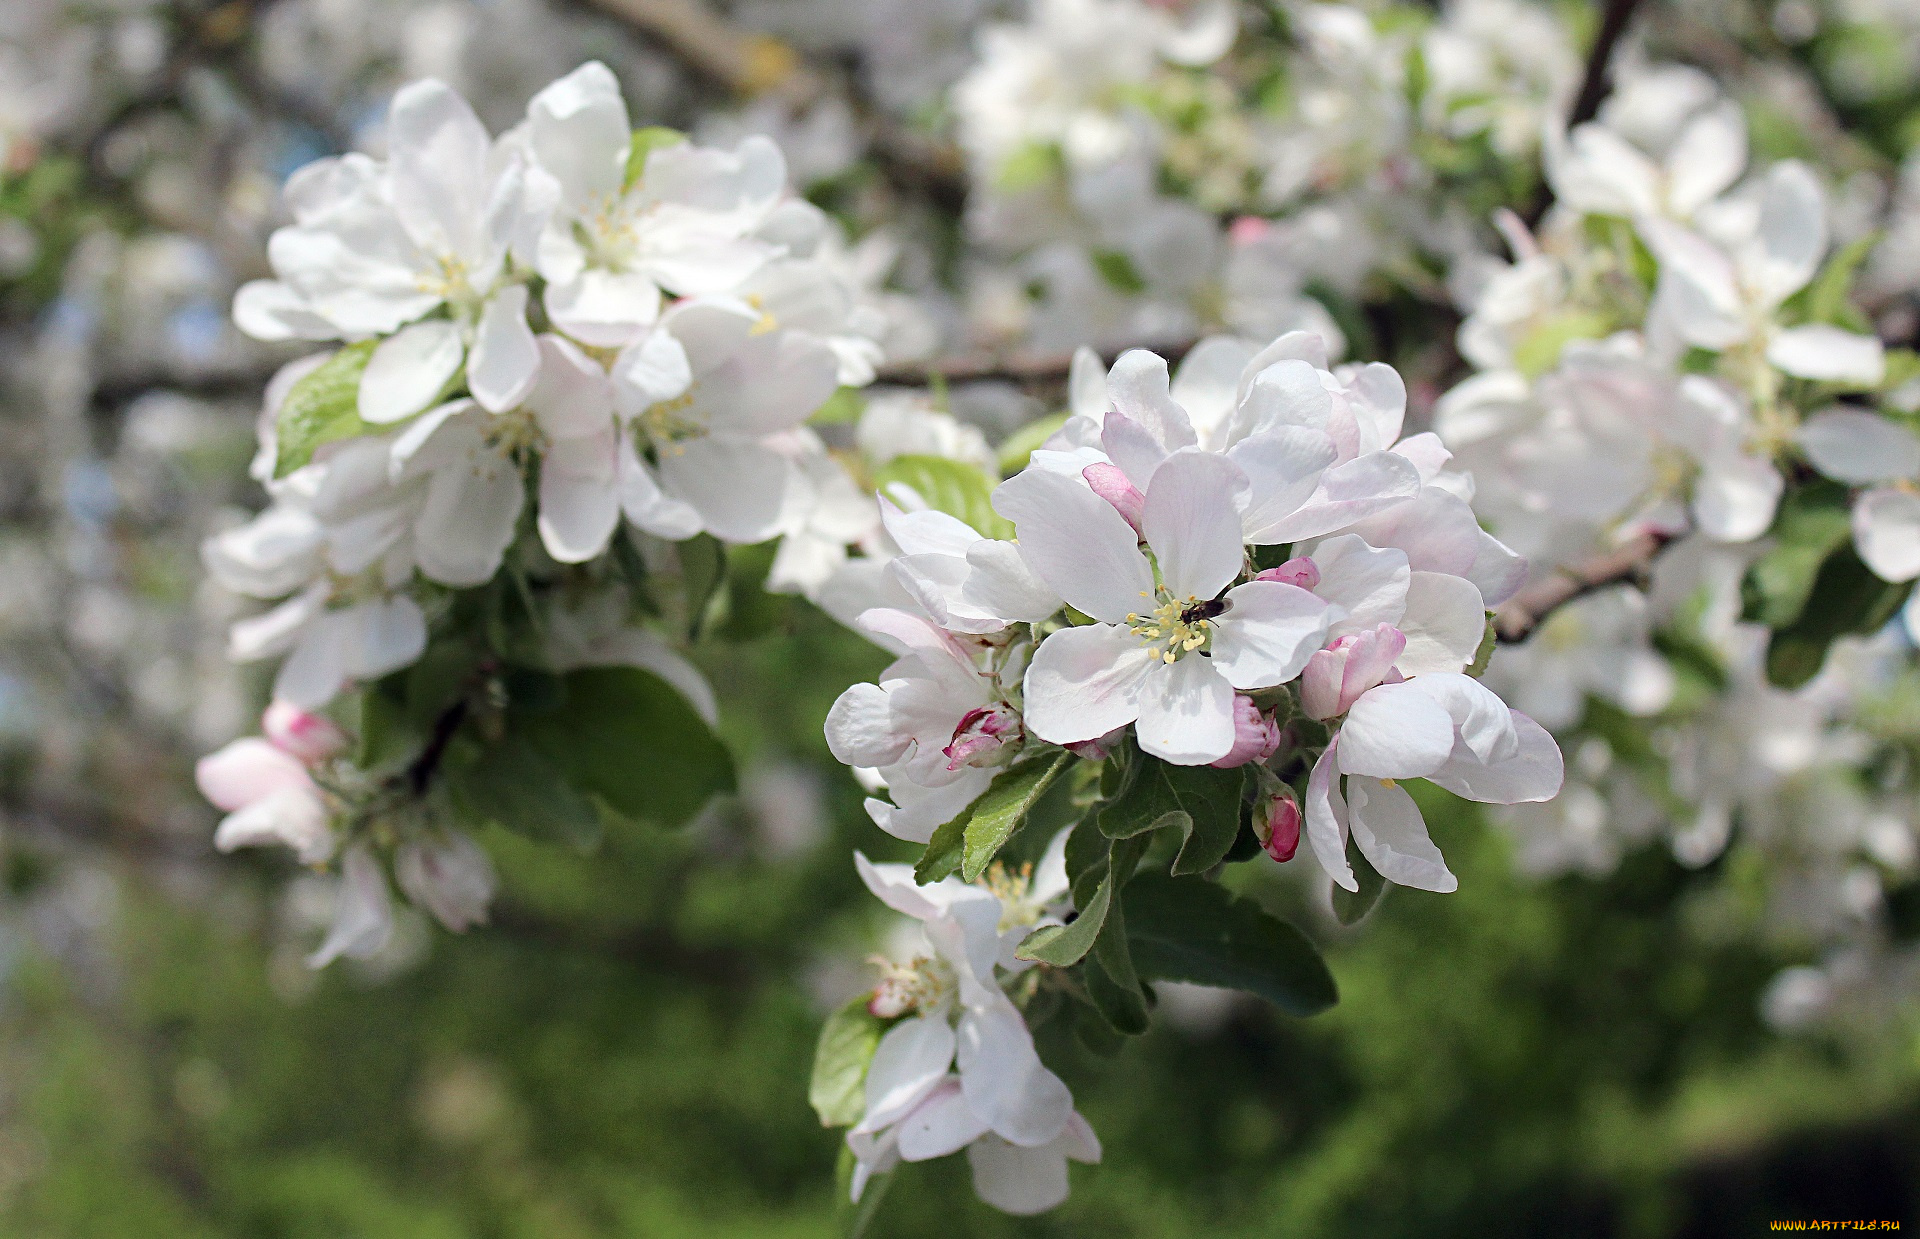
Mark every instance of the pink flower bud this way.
pixel 1255 735
pixel 310 737
pixel 1277 819
pixel 1335 677
pixel 1300 570
pixel 984 737
pixel 1098 749
pixel 1110 482
pixel 1247 229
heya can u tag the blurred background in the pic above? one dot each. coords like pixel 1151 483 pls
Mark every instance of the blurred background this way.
pixel 623 1051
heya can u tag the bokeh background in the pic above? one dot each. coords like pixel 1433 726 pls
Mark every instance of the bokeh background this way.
pixel 624 1050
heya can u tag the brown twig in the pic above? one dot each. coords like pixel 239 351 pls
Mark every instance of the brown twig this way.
pixel 1516 618
pixel 420 773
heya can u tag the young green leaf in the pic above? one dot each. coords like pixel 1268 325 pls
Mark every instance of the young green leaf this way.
pixel 323 407
pixel 645 142
pixel 516 786
pixel 840 1060
pixel 1350 907
pixel 1813 520
pixel 1002 810
pixel 943 853
pixel 1847 598
pixel 950 486
pixel 1066 945
pixel 1190 929
pixel 1200 802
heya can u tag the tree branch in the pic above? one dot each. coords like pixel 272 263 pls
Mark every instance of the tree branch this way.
pixel 1516 618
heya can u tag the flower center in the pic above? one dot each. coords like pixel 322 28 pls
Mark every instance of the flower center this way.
pixel 1011 889
pixel 1177 626
pixel 665 424
pixel 921 984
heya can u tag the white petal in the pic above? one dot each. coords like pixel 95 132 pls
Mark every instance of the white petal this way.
pixel 860 728
pixel 1392 835
pixel 1886 532
pixel 1378 482
pixel 1793 231
pixel 579 498
pixel 1820 351
pixel 1016 1180
pixel 1139 389
pixel 910 1061
pixel 1084 682
pixel 316 671
pixel 1077 543
pixel 408 371
pixel 438 157
pixel 646 505
pixel 650 370
pixel 1003 1078
pixel 1858 447
pixel 1207 382
pixel 1706 158
pixel 579 131
pixel 1368 583
pixel 1283 466
pixel 1533 773
pixel 1192 522
pixel 1186 712
pixel 1326 814
pixel 1267 634
pixel 738 487
pixel 293 817
pixel 363 917
pixel 1395 731
pixel 940 1125
pixel 1485 723
pixel 1444 623
pixel 505 361
pixel 1734 498
pixel 1003 584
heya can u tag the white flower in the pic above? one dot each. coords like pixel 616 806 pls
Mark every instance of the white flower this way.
pixel 363 911
pixel 934 727
pixel 264 786
pixel 960 1071
pixel 1598 170
pixel 377 246
pixel 449 875
pixel 966 583
pixel 1717 296
pixel 683 226
pixel 1168 648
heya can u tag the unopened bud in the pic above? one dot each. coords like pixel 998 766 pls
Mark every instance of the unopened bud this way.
pixel 450 876
pixel 310 737
pixel 1255 735
pixel 1111 483
pixel 985 736
pixel 1300 570
pixel 1098 749
pixel 1247 229
pixel 1277 819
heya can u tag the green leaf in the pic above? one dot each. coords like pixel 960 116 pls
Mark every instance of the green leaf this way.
pixel 1066 945
pixel 645 143
pixel 1539 350
pixel 1002 809
pixel 1826 299
pixel 1020 446
pixel 843 408
pixel 1813 520
pixel 943 853
pixel 323 407
pixel 628 737
pixel 1190 929
pixel 1351 907
pixel 516 786
pixel 1120 1003
pixel 1850 600
pixel 1483 653
pixel 703 569
pixel 1119 272
pixel 951 486
pixel 1200 802
pixel 751 610
pixel 840 1060
pixel 387 734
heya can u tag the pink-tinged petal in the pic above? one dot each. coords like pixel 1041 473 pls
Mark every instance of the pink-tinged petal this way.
pixel 903 631
pixel 1427 452
pixel 1003 1078
pixel 1111 483
pixel 505 362
pixel 363 915
pixel 1375 483
pixel 245 771
pixel 1859 448
pixel 1186 712
pixel 1393 837
pixel 1300 571
pixel 1886 532
pixel 293 817
pixel 1084 682
pixel 450 876
pixel 1132 448
pixel 1327 818
pixel 1277 820
pixel 1320 680
pixel 1444 623
pixel 1533 773
pixel 930 532
pixel 1395 731
pixel 909 1063
pixel 1077 543
pixel 1267 634
pixel 312 738
pixel 939 1125
pixel 1192 522
pixel 1255 735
